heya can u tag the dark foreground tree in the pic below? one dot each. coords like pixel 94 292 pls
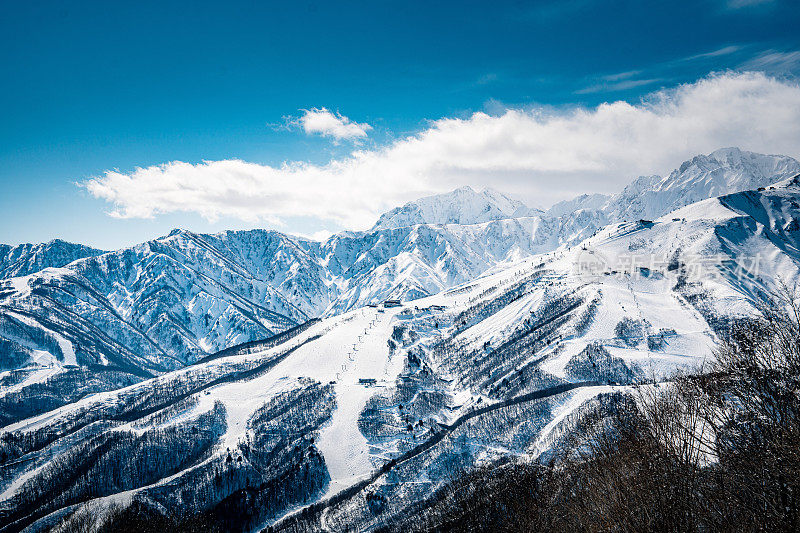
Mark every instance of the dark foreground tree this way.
pixel 135 519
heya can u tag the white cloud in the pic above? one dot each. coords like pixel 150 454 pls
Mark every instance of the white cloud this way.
pixel 656 73
pixel 719 52
pixel 628 74
pixel 320 235
pixel 323 122
pixel 775 62
pixel 537 154
pixel 739 4
pixel 623 85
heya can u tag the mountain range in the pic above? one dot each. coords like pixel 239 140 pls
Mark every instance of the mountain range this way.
pixel 165 303
pixel 512 321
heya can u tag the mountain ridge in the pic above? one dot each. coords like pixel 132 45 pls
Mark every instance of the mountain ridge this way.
pixel 29 258
pixel 166 302
pixel 463 206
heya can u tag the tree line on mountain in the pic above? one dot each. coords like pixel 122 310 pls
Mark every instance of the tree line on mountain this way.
pixel 63 387
pixel 130 405
pixel 111 462
pixel 19 339
pixel 506 369
pixel 273 467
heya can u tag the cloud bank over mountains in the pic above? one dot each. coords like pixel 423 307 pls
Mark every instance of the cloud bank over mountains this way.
pixel 538 154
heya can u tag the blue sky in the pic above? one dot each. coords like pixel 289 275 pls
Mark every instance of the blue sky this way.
pixel 90 87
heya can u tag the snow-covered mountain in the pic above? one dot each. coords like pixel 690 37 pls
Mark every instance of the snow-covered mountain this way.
pixel 391 403
pixel 162 304
pixel 592 202
pixel 165 303
pixel 158 305
pixel 461 206
pixel 725 171
pixel 25 259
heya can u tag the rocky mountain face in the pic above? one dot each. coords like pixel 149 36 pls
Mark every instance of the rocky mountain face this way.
pixel 725 171
pixel 158 305
pixel 461 206
pixel 590 202
pixel 28 258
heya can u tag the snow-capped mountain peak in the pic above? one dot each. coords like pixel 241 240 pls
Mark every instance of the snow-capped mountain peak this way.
pixel 584 201
pixel 729 170
pixel 724 171
pixel 460 206
pixel 25 259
